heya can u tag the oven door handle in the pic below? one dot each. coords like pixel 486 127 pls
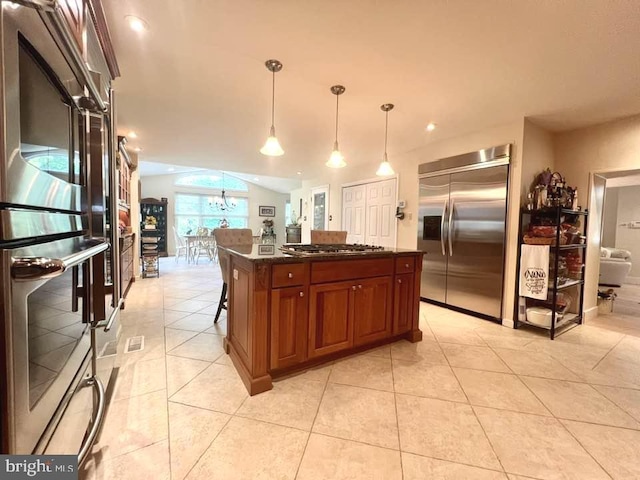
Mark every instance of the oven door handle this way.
pixel 97 421
pixel 28 269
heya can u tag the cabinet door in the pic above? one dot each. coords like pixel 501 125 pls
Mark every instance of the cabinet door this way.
pixel 73 11
pixel 402 303
pixel 288 326
pixel 330 317
pixel 372 310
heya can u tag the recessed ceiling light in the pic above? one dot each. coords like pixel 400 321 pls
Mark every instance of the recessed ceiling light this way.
pixel 431 127
pixel 136 23
pixel 137 149
pixel 132 134
pixel 170 169
pixel 299 173
pixel 11 5
pixel 256 179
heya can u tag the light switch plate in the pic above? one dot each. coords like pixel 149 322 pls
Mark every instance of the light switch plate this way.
pixel 235 274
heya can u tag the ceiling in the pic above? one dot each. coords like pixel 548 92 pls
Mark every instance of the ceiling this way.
pixel 277 184
pixel 195 89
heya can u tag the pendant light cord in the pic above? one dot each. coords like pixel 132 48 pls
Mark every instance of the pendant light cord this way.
pixel 386 130
pixel 337 100
pixel 273 98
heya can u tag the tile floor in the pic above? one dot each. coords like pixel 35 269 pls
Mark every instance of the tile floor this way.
pixel 473 400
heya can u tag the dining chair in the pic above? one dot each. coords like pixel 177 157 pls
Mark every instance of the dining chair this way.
pixel 228 237
pixel 328 236
pixel 181 247
pixel 202 244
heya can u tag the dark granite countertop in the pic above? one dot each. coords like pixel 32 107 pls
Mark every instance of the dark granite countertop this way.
pixel 270 253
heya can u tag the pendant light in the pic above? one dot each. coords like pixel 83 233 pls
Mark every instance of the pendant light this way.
pixel 272 147
pixel 385 170
pixel 336 160
pixel 223 203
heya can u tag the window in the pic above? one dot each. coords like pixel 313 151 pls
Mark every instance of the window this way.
pixel 213 181
pixel 193 211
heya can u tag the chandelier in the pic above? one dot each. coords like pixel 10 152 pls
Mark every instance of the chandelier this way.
pixel 224 203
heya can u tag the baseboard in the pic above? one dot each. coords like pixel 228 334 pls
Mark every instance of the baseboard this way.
pixel 507 322
pixel 633 280
pixel 590 313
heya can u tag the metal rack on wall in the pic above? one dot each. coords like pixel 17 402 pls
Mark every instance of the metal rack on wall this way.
pixel 562 280
pixel 158 210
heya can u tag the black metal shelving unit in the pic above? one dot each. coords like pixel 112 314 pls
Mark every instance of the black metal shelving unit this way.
pixel 559 215
pixel 158 210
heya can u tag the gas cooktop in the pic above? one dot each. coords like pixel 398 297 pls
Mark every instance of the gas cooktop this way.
pixel 317 249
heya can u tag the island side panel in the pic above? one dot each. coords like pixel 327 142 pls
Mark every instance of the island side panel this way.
pixel 415 335
pixel 260 308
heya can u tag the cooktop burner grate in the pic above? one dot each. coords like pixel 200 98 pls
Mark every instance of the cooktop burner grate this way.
pixel 310 249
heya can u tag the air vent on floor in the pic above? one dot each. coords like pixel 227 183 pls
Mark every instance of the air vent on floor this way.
pixel 109 349
pixel 134 344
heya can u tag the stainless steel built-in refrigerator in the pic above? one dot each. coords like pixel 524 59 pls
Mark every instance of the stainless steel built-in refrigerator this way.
pixel 461 229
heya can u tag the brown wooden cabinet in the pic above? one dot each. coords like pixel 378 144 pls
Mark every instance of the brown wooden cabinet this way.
pixel 330 317
pixel 288 326
pixel 74 13
pixel 127 273
pixel 372 302
pixel 403 303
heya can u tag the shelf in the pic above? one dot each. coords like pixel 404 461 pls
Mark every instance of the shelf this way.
pixel 569 284
pixel 554 210
pixel 572 246
pixel 567 319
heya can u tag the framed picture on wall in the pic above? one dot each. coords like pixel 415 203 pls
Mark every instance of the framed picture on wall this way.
pixel 264 211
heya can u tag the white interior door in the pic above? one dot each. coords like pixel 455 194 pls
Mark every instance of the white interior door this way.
pixel 353 213
pixel 380 219
pixel 320 208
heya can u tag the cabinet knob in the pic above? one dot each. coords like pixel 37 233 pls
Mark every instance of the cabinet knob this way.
pixel 399 280
pixel 354 287
pixel 302 294
pixel 290 275
pixel 406 265
pixel 359 286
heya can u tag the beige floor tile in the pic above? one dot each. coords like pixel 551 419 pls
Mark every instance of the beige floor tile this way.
pixel 148 462
pixel 224 360
pixel 191 431
pixel 203 346
pixel 450 334
pixel 181 371
pixel 173 337
pixel 427 380
pixel 467 356
pixel 219 328
pixel 420 351
pixel 196 322
pixel 498 390
pixel 148 330
pixel 359 414
pixel 535 364
pixel 578 401
pixel 415 467
pixel 337 459
pixel 217 388
pixel 247 450
pixel 625 398
pixel 133 423
pixel 569 354
pixel 616 449
pixel 591 336
pixel 191 306
pixel 363 371
pixel 628 349
pixel 320 373
pixel 153 349
pixel 140 377
pixel 444 430
pixel 170 316
pixel 384 351
pixel 618 372
pixel 293 402
pixel 537 446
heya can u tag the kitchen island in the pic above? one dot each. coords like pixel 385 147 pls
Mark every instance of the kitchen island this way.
pixel 288 312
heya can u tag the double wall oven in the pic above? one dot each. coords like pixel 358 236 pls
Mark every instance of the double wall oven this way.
pixel 58 271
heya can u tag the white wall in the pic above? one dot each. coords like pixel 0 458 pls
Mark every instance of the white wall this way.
pixel 538 154
pixel 629 238
pixel 158 186
pixel 613 146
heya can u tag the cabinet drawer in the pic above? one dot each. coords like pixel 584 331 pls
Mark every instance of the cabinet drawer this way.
pixel 405 265
pixel 288 275
pixel 323 272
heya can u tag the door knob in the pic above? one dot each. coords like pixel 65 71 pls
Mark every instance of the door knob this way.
pixel 290 275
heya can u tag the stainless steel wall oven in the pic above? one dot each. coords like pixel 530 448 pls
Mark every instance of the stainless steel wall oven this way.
pixel 56 294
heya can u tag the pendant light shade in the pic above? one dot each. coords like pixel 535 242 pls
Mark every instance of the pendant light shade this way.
pixel 272 146
pixel 336 160
pixel 385 169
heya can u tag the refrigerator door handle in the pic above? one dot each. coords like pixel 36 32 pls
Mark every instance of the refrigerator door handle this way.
pixel 450 234
pixel 444 214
